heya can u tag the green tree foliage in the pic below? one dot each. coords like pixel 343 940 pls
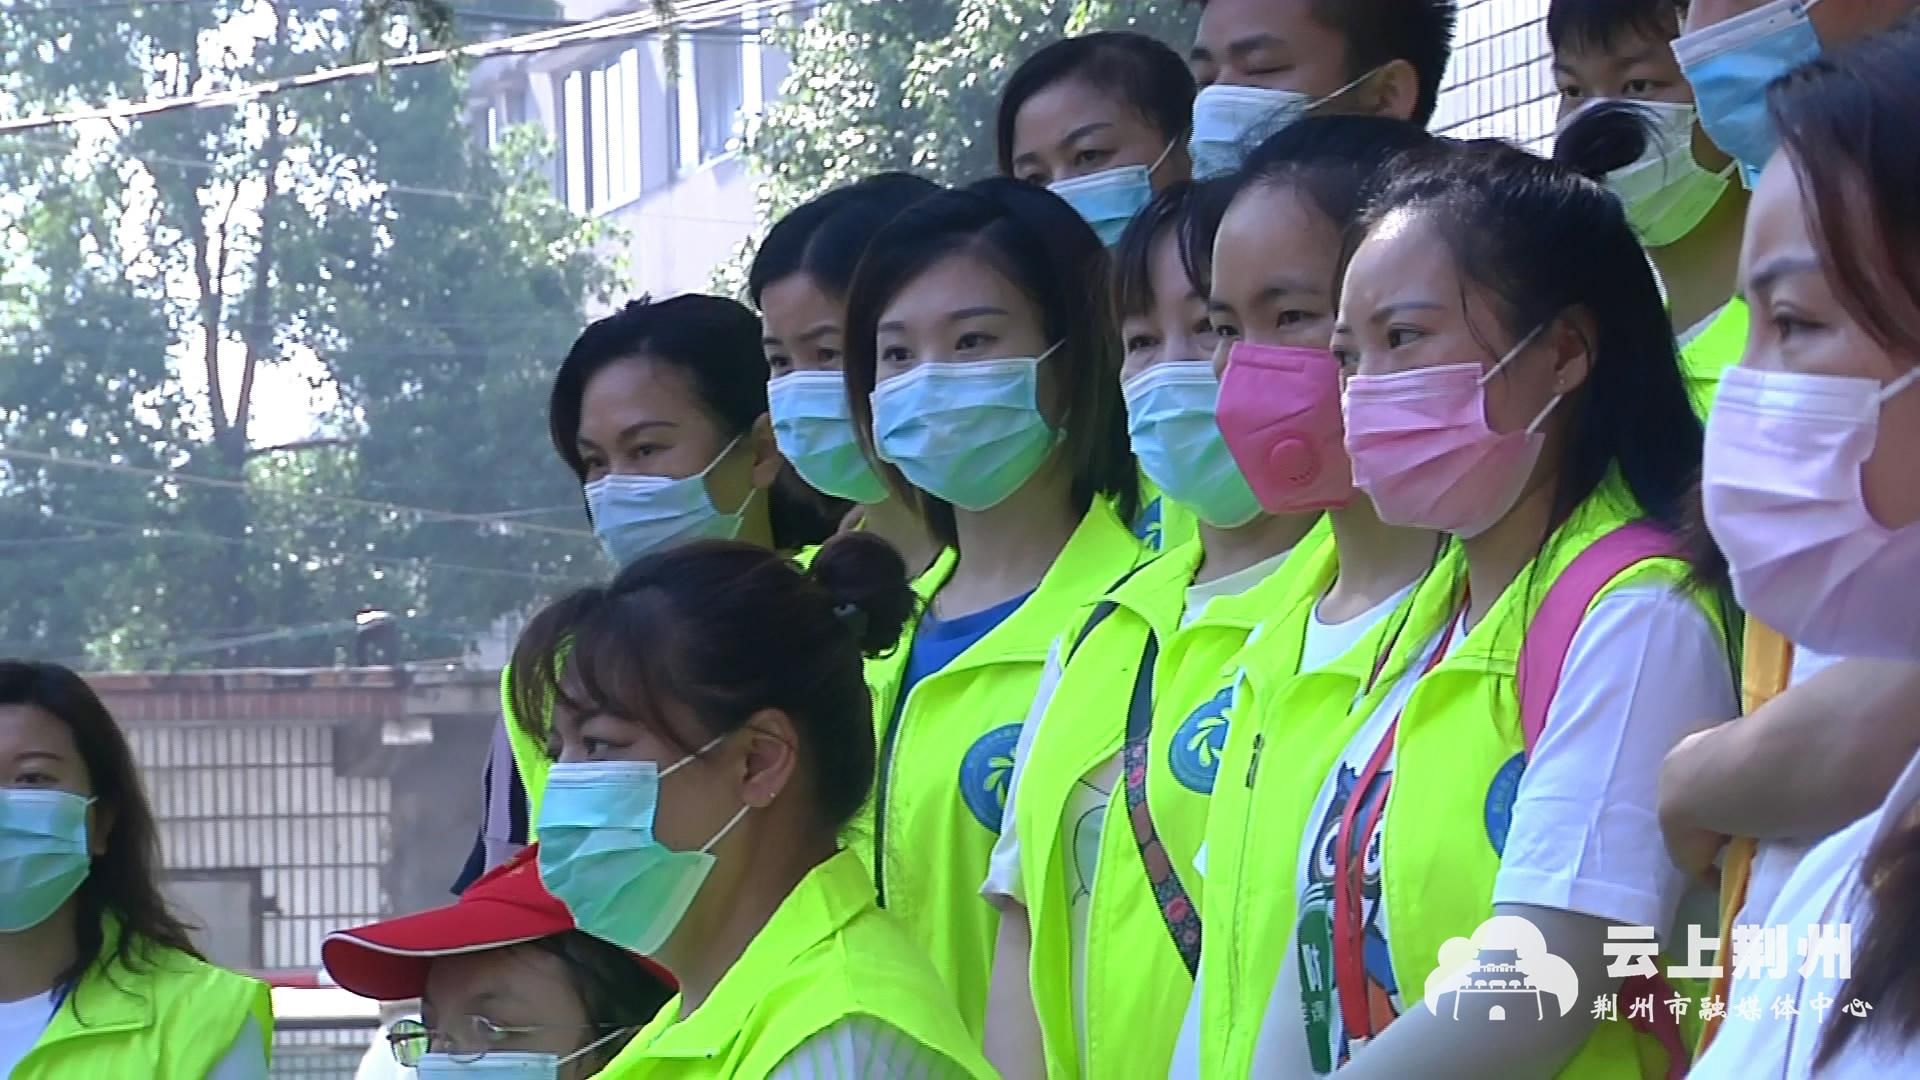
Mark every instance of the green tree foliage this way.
pixel 911 84
pixel 158 271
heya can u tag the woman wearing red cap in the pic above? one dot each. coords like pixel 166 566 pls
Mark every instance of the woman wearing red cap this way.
pixel 715 740
pixel 502 977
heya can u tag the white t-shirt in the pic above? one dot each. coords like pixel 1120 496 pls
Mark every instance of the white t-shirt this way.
pixel 1645 669
pixel 1087 803
pixel 23 1022
pixel 1824 893
pixel 863 1046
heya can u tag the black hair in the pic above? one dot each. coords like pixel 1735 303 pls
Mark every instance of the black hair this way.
pixel 1606 136
pixel 1206 207
pixel 1050 254
pixel 1843 121
pixel 1337 161
pixel 715 343
pixel 825 238
pixel 1381 31
pixel 1510 220
pixel 1143 72
pixel 616 993
pixel 727 629
pixel 1600 25
pixel 123 882
pixel 1133 255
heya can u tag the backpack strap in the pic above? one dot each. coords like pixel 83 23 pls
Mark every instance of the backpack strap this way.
pixel 1100 612
pixel 1543 655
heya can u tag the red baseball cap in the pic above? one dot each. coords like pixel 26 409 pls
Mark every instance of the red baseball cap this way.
pixel 388 961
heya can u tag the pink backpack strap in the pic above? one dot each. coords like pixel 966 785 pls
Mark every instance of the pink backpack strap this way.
pixel 1543 655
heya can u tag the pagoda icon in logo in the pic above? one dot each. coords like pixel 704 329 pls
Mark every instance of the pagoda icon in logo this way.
pixel 1499 982
pixel 1503 972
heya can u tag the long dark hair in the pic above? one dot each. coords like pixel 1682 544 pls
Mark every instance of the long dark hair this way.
pixel 825 238
pixel 715 343
pixel 1044 248
pixel 1510 219
pixel 726 629
pixel 1844 123
pixel 123 883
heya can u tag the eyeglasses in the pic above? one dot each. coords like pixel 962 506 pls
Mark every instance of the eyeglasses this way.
pixel 467 1039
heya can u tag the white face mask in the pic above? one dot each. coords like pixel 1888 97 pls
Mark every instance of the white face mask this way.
pixel 636 515
pixel 1666 192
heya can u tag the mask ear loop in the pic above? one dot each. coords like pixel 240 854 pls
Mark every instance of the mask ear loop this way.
pixel 1892 389
pixel 1161 160
pixel 595 1045
pixel 1517 349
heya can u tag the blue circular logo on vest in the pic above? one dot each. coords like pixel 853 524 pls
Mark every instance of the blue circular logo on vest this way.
pixel 1194 757
pixel 1146 526
pixel 985 773
pixel 1501 792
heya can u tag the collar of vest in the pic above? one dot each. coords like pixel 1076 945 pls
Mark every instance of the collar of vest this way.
pixel 1495 643
pixel 109 998
pixel 1099 551
pixel 824 902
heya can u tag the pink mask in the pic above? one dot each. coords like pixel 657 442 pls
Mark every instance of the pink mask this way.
pixel 1279 411
pixel 1422 450
pixel 1784 501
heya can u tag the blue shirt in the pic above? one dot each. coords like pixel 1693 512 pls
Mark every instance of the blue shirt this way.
pixel 938 641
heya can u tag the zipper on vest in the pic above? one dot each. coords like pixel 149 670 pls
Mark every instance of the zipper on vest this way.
pixel 887 744
pixel 1253 764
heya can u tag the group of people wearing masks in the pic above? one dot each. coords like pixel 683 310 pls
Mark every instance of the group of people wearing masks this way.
pixel 1175 607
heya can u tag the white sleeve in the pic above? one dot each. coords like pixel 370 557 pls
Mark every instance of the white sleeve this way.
pixel 1004 881
pixel 246 1059
pixel 859 1047
pixel 1646 669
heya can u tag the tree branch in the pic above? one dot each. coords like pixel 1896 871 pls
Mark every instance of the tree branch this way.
pixel 299 445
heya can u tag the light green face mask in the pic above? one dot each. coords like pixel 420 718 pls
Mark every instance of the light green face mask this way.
pixel 43 853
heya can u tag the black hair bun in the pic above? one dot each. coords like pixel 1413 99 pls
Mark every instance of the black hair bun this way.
pixel 1605 137
pixel 867 579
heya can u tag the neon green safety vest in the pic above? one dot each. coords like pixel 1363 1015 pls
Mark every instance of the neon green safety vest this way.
pixel 1459 756
pixel 530 758
pixel 174 1019
pixel 1133 968
pixel 946 758
pixel 827 955
pixel 1255 822
pixel 1707 357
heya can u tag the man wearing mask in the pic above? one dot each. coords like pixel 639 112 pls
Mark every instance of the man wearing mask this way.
pixel 1262 64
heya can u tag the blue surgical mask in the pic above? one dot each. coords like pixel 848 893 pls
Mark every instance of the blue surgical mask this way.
pixel 636 515
pixel 506 1064
pixel 1109 199
pixel 815 432
pixel 1730 64
pixel 970 433
pixel 1170 421
pixel 43 853
pixel 599 857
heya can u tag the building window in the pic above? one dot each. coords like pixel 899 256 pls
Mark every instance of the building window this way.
pixel 600 133
pixel 712 91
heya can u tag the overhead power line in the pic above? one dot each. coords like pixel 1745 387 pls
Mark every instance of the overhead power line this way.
pixel 612 28
pixel 493 521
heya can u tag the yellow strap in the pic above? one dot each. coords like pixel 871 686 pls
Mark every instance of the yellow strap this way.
pixel 1763 677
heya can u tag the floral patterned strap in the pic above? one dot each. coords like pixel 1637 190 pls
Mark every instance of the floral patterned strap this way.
pixel 1176 906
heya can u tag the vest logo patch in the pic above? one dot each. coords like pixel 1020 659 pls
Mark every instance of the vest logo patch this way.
pixel 1147 528
pixel 1194 756
pixel 1502 790
pixel 986 771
